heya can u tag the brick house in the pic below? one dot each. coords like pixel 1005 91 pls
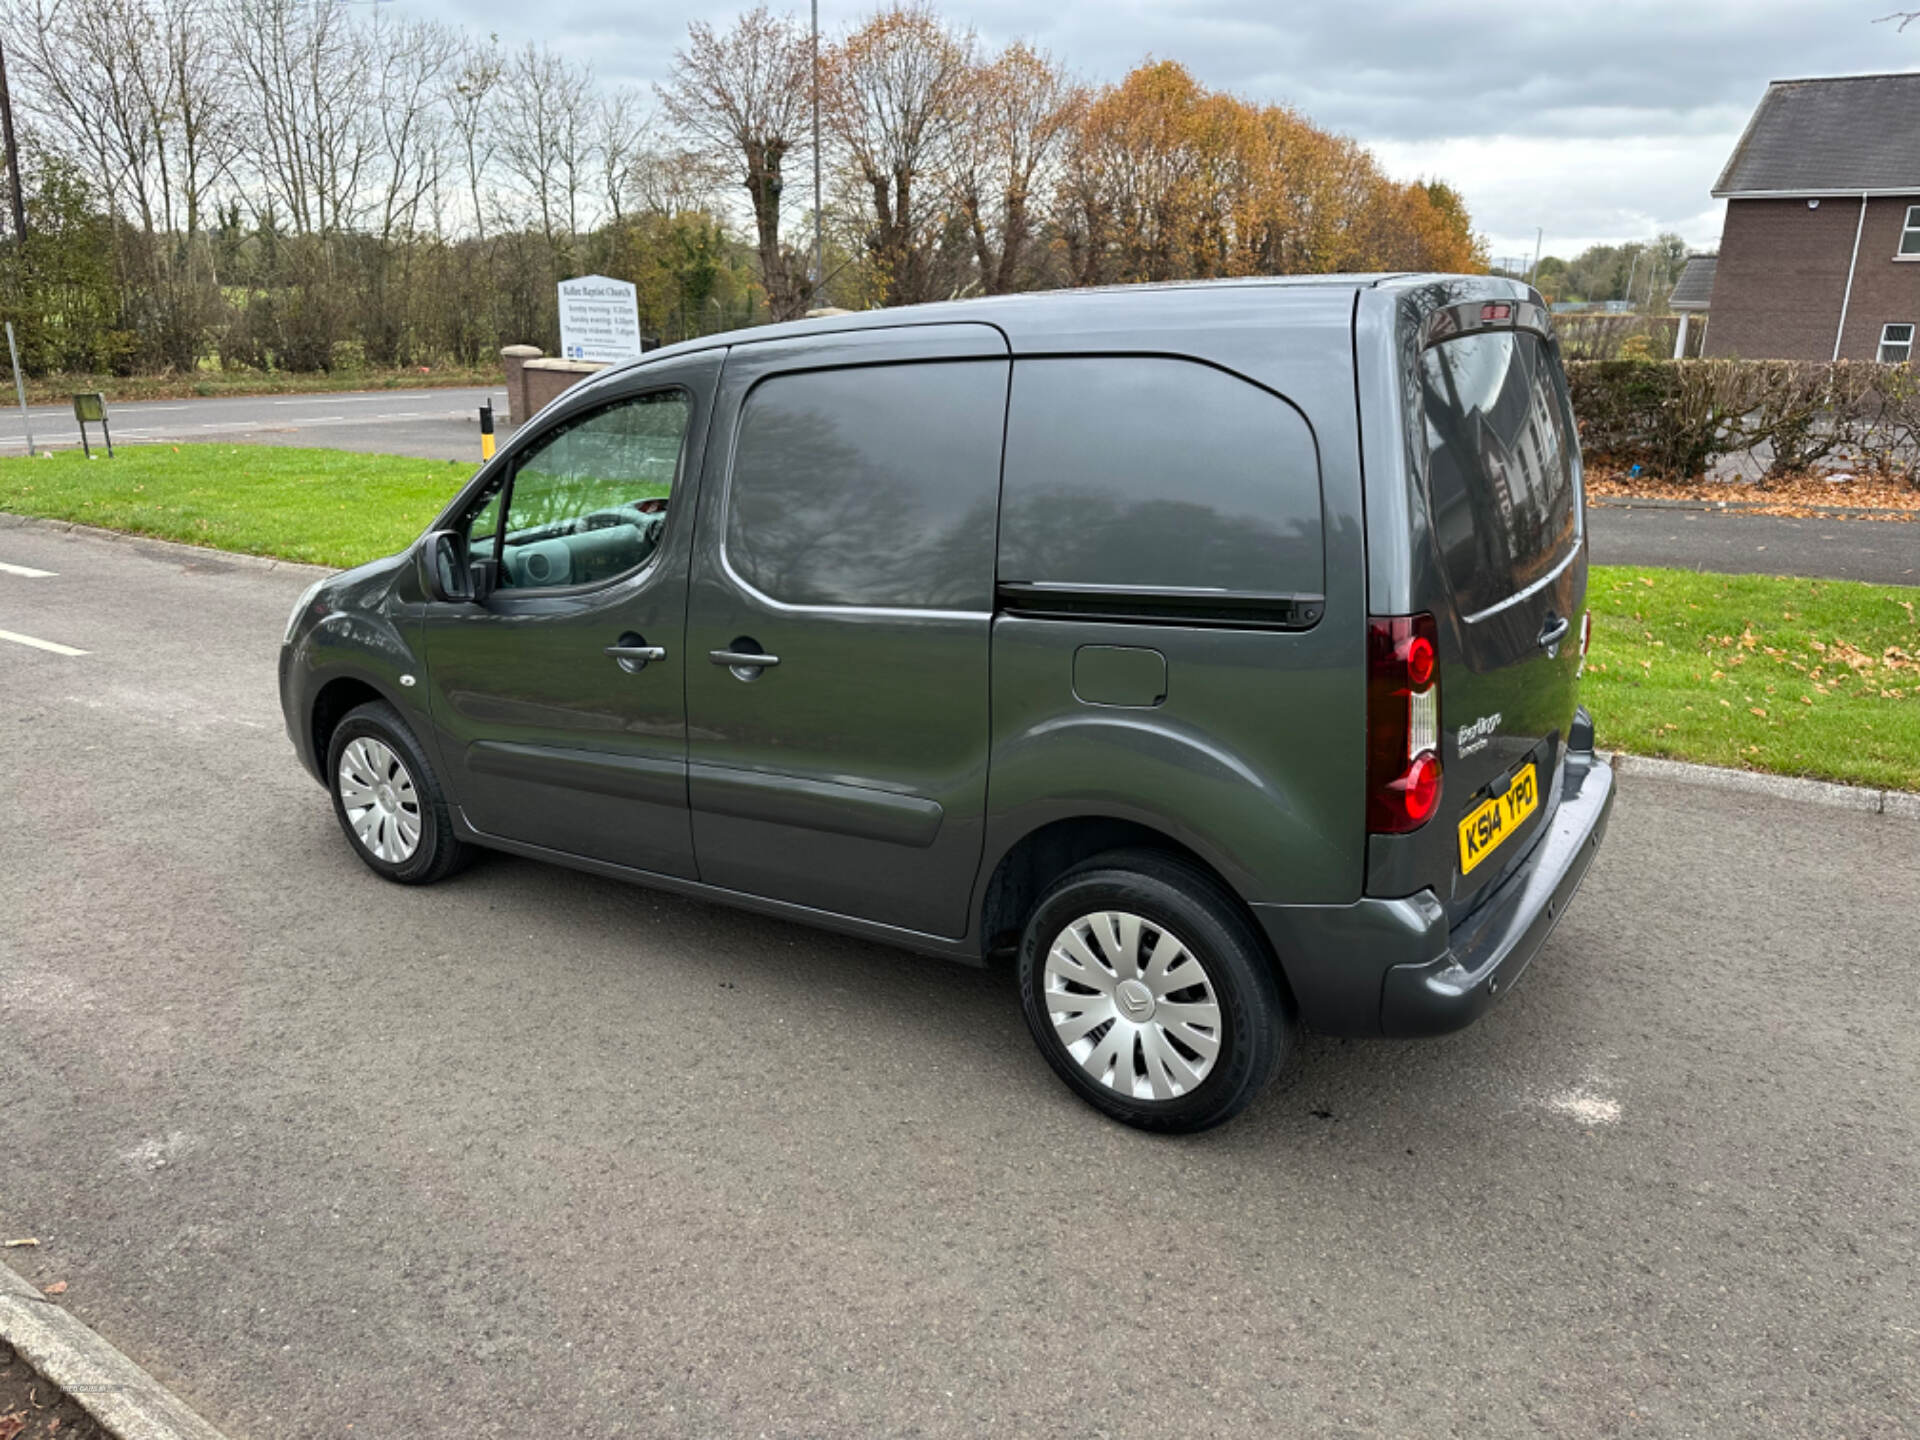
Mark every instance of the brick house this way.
pixel 1820 257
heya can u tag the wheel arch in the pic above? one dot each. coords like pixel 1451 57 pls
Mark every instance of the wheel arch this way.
pixel 332 702
pixel 1030 865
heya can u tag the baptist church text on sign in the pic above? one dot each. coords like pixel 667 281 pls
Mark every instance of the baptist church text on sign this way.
pixel 599 320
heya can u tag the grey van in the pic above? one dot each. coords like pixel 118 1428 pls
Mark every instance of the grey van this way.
pixel 1212 649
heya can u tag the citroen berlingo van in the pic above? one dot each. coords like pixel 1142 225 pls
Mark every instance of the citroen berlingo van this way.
pixel 1213 650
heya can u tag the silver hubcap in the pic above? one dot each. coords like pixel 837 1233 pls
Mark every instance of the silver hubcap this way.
pixel 380 801
pixel 1132 1005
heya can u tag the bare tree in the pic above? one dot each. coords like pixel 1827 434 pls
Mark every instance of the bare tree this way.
pixel 743 98
pixel 1018 110
pixel 896 92
pixel 668 180
pixel 546 141
pixel 309 137
pixel 469 93
pixel 619 132
pixel 138 88
pixel 412 62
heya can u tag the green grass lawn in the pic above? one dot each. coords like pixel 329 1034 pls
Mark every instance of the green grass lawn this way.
pixel 331 507
pixel 1799 677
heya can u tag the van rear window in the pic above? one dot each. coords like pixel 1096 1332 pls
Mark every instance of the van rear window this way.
pixel 1501 485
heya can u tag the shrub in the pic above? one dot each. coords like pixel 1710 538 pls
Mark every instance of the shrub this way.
pixel 1675 418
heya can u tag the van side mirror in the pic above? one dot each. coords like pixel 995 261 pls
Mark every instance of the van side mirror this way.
pixel 447 577
pixel 483 578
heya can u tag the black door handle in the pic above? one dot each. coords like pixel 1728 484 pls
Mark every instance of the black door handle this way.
pixel 1554 631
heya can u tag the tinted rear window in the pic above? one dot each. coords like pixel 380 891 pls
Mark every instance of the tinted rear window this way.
pixel 1157 474
pixel 1500 464
pixel 870 487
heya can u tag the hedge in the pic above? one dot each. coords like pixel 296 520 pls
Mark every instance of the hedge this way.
pixel 1675 418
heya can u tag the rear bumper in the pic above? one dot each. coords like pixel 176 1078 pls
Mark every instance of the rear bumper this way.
pixel 1393 967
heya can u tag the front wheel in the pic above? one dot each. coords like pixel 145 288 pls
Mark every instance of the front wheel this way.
pixel 389 801
pixel 1148 992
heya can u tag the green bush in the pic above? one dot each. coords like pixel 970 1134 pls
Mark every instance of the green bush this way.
pixel 1675 418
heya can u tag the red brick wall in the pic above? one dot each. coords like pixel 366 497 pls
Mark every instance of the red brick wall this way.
pixel 1883 288
pixel 1783 270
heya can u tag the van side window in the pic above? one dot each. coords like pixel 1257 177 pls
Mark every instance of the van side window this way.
pixel 589 502
pixel 1157 474
pixel 1500 463
pixel 870 487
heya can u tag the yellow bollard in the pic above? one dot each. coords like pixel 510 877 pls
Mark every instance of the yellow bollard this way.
pixel 486 432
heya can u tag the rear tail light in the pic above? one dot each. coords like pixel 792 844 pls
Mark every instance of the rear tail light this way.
pixel 1403 723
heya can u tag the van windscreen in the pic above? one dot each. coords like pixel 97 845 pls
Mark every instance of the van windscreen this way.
pixel 1501 460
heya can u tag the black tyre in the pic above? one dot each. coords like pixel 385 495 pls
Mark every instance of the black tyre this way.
pixel 388 799
pixel 1149 993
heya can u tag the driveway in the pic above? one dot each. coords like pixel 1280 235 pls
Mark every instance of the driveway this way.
pixel 539 1153
pixel 1886 552
pixel 434 424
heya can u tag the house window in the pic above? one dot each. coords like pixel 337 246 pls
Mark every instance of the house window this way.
pixel 1896 344
pixel 1910 234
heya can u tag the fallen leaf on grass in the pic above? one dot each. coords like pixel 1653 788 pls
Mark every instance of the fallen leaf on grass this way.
pixel 12 1425
pixel 1756 710
pixel 58 1287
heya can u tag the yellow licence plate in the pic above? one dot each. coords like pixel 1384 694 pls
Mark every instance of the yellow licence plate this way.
pixel 1483 831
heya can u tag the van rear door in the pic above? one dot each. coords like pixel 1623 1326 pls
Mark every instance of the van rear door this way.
pixel 1503 492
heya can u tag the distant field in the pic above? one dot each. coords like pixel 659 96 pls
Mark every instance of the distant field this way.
pixel 1801 677
pixel 59 389
pixel 329 507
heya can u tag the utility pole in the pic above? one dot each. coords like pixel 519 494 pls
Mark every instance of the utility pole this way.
pixel 1539 234
pixel 819 249
pixel 1630 269
pixel 13 154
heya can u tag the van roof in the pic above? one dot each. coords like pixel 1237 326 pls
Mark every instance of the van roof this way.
pixel 1038 310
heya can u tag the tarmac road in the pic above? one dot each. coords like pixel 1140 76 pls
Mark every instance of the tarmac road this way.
pixel 535 1153
pixel 1886 552
pixel 435 424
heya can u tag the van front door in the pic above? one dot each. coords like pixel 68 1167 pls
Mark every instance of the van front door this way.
pixel 838 622
pixel 560 701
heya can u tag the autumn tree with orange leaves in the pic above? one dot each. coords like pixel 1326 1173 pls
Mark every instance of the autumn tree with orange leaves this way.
pixel 1166 180
pixel 895 93
pixel 951 171
pixel 1020 110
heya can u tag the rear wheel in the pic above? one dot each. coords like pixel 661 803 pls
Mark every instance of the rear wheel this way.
pixel 1148 992
pixel 388 799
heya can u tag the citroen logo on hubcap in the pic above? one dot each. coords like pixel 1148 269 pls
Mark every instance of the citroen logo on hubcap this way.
pixel 1135 1000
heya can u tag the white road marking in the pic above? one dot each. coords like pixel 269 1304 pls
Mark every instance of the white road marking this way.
pixel 57 649
pixel 1585 1104
pixel 26 572
pixel 337 400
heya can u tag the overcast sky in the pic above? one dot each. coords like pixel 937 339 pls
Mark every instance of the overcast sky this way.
pixel 1598 122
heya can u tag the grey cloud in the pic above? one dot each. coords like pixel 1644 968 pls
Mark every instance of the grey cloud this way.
pixel 1408 75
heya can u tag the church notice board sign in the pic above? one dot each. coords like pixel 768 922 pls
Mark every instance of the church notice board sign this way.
pixel 599 320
